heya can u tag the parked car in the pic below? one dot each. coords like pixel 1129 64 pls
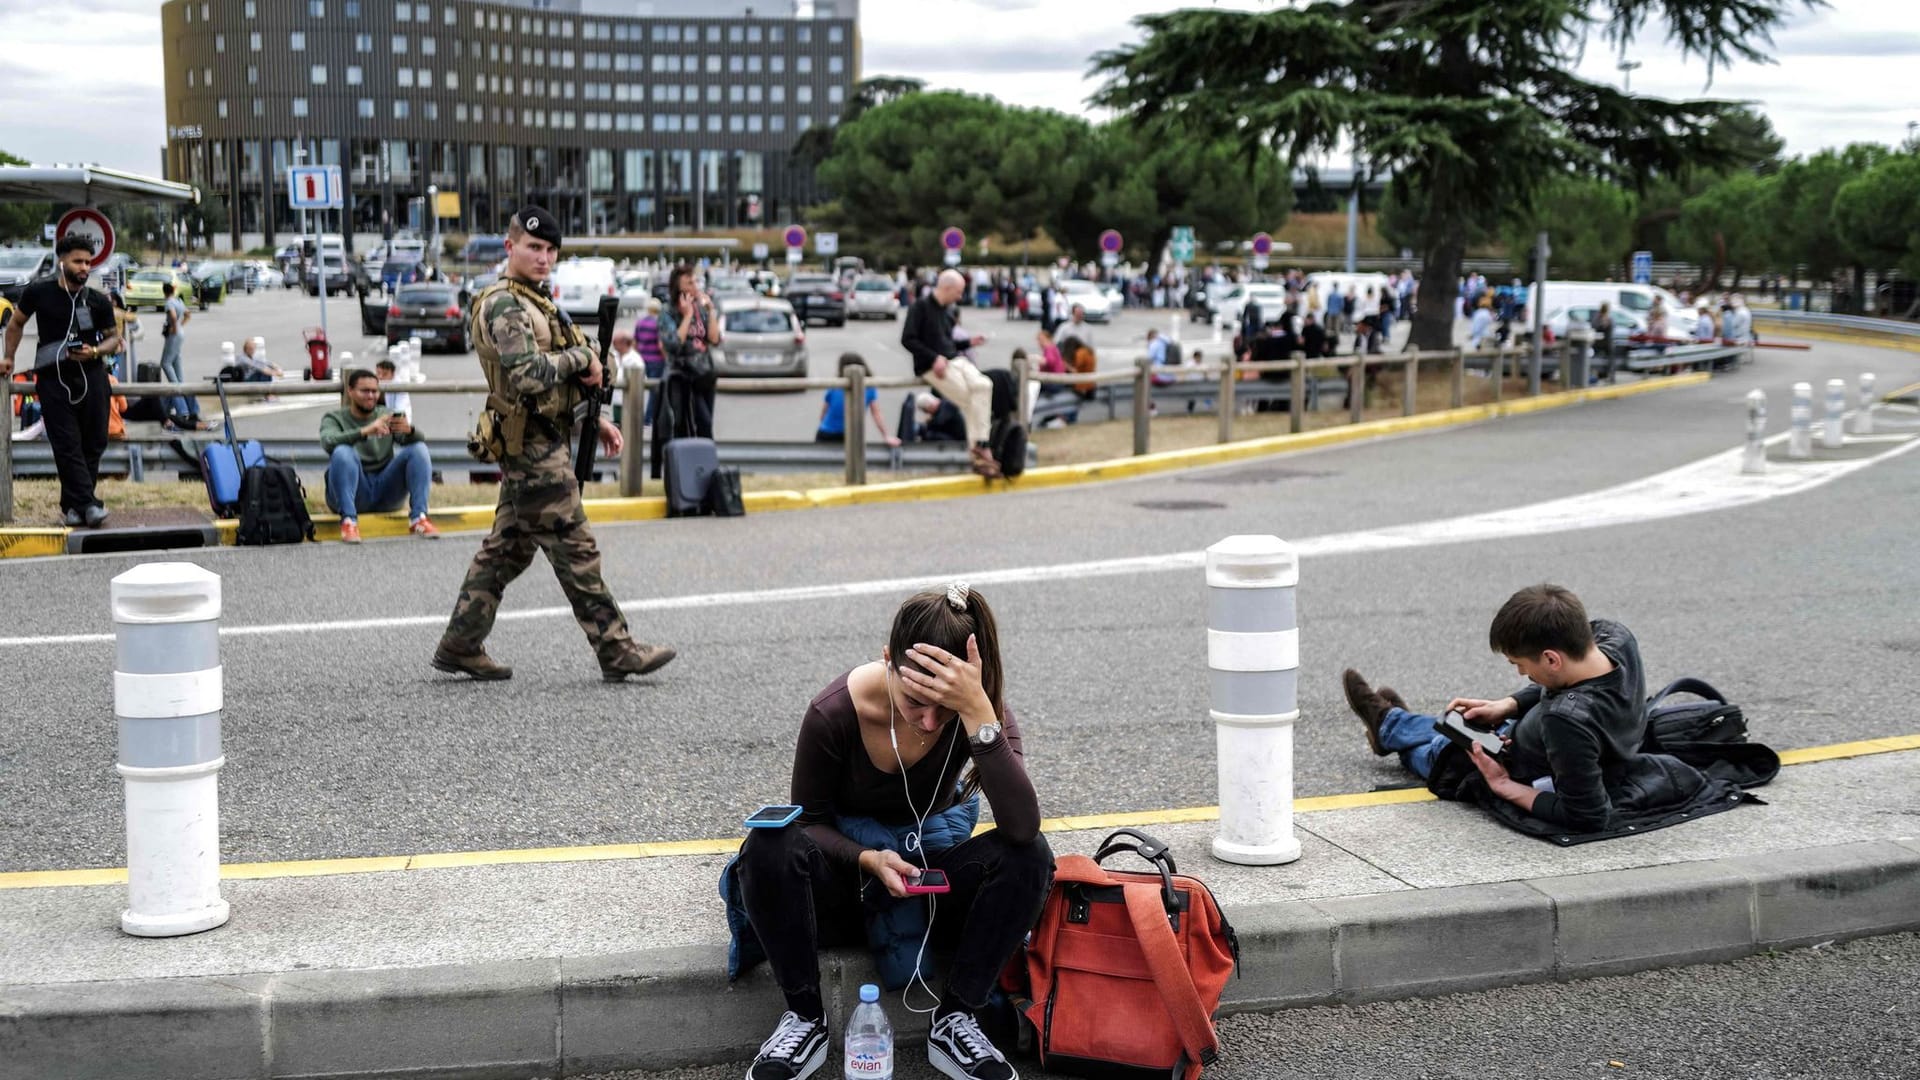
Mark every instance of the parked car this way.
pixel 1089 297
pixel 340 276
pixel 373 314
pixel 731 287
pixel 434 312
pixel 484 249
pixel 401 268
pixel 578 285
pixel 147 288
pixel 21 265
pixel 874 297
pixel 265 275
pixel 817 296
pixel 1271 298
pixel 636 288
pixel 765 282
pixel 761 337
pixel 216 279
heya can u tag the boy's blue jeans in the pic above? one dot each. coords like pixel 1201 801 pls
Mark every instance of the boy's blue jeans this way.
pixel 351 488
pixel 1411 735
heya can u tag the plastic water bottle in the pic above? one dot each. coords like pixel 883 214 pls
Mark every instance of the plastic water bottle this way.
pixel 869 1039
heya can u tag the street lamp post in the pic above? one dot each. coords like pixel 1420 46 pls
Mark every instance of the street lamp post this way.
pixel 1627 68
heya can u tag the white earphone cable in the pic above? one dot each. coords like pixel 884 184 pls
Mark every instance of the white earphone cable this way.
pixel 914 845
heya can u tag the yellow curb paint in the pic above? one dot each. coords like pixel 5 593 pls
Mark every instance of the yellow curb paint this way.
pixel 1790 330
pixel 21 543
pixel 47 879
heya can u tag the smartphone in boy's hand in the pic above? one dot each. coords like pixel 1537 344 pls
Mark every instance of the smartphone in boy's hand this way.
pixel 1455 727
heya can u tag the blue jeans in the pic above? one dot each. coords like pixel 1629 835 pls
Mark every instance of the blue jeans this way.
pixel 655 369
pixel 1412 736
pixel 170 358
pixel 351 488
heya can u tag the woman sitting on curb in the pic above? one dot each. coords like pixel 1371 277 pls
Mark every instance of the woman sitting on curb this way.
pixel 894 752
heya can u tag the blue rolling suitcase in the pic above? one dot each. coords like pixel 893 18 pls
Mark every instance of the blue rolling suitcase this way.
pixel 223 464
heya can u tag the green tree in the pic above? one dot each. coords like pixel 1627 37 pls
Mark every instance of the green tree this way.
pixel 1751 147
pixel 1589 224
pixel 1804 200
pixel 21 220
pixel 1877 214
pixel 816 143
pixel 1473 102
pixel 1144 182
pixel 906 170
pixel 1734 224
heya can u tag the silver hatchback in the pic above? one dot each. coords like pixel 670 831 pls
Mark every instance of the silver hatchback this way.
pixel 761 337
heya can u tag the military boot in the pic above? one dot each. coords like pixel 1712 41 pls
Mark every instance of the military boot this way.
pixel 639 660
pixel 476 663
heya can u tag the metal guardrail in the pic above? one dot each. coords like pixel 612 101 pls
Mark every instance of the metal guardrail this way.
pixel 1894 327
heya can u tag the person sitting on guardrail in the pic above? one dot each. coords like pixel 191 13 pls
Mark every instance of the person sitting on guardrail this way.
pixel 1704 330
pixel 928 335
pixel 376 458
pixel 1736 325
pixel 1570 760
pixel 833 410
pixel 871 821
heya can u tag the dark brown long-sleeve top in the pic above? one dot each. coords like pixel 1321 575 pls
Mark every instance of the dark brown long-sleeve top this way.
pixel 834 776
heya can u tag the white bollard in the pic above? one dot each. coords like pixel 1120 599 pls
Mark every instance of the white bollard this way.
pixel 1863 419
pixel 1217 338
pixel 1833 437
pixel 1174 325
pixel 1754 461
pixel 1253 653
pixel 167 697
pixel 1800 442
pixel 226 355
pixel 415 348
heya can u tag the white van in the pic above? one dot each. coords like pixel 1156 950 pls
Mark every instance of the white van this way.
pixel 578 284
pixel 1323 282
pixel 1624 296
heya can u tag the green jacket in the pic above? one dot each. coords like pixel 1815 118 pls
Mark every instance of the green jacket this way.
pixel 341 428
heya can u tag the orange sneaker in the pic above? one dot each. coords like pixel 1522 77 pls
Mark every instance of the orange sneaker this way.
pixel 423 527
pixel 350 532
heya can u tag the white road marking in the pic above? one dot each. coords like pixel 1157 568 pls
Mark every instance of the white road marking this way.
pixel 1711 484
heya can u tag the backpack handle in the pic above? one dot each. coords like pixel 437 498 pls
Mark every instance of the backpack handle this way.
pixel 1687 685
pixel 1154 852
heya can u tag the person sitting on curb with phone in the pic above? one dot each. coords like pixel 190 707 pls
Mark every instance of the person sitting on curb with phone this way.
pixel 900 747
pixel 376 458
pixel 1571 762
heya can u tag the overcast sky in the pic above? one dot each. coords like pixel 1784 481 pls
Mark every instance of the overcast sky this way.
pixel 84 77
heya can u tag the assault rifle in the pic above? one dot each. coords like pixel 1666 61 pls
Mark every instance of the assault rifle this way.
pixel 597 396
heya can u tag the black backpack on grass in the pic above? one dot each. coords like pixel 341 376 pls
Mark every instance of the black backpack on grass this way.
pixel 273 506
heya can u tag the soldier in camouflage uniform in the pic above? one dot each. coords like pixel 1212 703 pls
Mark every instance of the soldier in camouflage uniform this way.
pixel 533 358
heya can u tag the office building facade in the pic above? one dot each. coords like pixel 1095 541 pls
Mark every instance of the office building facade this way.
pixel 620 116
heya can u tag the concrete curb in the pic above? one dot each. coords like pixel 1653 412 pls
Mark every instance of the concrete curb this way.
pixel 1787 329
pixel 34 542
pixel 672 1007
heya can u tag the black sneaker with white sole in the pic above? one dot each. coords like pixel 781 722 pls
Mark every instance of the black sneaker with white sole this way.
pixel 957 1047
pixel 795 1050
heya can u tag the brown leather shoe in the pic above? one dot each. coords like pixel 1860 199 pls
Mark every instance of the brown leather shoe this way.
pixel 1392 697
pixel 476 664
pixel 984 464
pixel 1368 705
pixel 639 660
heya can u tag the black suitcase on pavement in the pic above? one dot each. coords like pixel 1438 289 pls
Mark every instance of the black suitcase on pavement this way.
pixel 689 466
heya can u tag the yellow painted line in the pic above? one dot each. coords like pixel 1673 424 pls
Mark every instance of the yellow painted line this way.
pixel 46 879
pixel 22 543
pixel 1791 330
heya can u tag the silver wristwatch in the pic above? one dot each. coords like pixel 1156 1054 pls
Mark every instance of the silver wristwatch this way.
pixel 987 735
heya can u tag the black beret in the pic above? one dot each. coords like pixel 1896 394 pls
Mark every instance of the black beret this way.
pixel 537 223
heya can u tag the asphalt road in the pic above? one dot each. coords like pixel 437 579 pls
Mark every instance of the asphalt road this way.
pixel 343 742
pixel 1837 1012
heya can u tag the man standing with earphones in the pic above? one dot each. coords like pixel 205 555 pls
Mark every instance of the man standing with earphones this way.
pixel 76 330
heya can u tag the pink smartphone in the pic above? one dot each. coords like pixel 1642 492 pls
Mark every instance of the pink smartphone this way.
pixel 928 881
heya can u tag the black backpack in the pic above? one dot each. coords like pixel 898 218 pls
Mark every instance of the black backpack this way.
pixel 273 506
pixel 1709 720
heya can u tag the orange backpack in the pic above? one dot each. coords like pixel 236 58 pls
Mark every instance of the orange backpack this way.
pixel 1125 968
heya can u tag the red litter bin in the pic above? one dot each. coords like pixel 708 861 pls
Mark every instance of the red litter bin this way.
pixel 319 354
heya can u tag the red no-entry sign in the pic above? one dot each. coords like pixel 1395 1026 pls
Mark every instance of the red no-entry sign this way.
pixel 88 222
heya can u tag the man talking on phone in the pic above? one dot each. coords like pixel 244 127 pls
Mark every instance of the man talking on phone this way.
pixel 76 330
pixel 376 457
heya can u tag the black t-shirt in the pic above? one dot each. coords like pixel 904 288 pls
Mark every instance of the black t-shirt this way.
pixel 54 308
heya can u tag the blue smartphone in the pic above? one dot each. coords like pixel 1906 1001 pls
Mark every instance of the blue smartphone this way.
pixel 773 816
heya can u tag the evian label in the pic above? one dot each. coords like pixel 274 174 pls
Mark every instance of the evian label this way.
pixel 870 1066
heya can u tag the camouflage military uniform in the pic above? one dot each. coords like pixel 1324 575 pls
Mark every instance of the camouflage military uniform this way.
pixel 539 504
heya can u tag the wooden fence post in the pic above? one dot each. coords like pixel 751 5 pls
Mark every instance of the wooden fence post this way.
pixel 1228 380
pixel 1142 403
pixel 1409 397
pixel 633 411
pixel 1297 408
pixel 1459 377
pixel 856 427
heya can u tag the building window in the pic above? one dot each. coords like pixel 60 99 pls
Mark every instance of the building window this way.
pixel 317 8
pixel 777 64
pixel 802 122
pixel 365 108
pixel 352 8
pixel 318 75
pixel 777 95
pixel 253 41
pixel 776 34
pixel 776 123
pixel 219 43
pixel 206 77
pixel 836 95
pixel 363 43
pixel 450 18
pixel 426 79
pixel 736 34
pixel 460 110
pixel 405 76
pixel 299 107
pixel 401 109
pixel 754 92
pixel 736 64
pixel 453 80
pixel 192 78
pixel 223 108
pixel 713 65
pixel 754 64
pixel 835 65
pixel 402 12
pixel 399 43
pixel 803 65
pixel 253 75
pixel 297 41
pixel 753 35
pixel 736 93
pixel 803 35
pixel 354 75
pixel 736 123
pixel 713 122
pixel 428 45
pixel 431 110
pixel 259 107
pixel 753 124
pixel 713 95
pixel 252 9
pixel 803 94
pixel 835 35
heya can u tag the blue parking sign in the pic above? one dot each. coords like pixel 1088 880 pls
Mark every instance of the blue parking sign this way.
pixel 1643 268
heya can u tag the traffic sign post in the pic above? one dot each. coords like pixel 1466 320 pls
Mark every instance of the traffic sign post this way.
pixel 953 240
pixel 796 238
pixel 1110 244
pixel 317 187
pixel 1643 268
pixel 1181 246
pixel 826 243
pixel 1262 247
pixel 90 223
